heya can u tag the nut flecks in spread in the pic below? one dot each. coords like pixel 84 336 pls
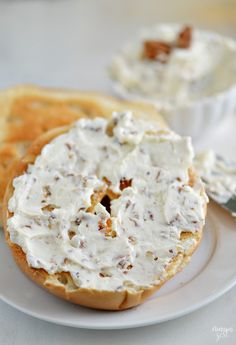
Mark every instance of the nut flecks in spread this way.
pixel 184 38
pixel 159 50
pixel 204 67
pixel 61 221
pixel 156 50
pixel 219 175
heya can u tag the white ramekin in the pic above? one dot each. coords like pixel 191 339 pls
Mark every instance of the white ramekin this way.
pixel 195 118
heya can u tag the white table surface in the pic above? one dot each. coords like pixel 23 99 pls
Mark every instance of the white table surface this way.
pixel 69 43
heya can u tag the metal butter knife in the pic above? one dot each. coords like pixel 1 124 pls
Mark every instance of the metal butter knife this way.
pixel 219 176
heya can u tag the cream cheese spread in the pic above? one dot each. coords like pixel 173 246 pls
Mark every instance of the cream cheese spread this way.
pixel 218 175
pixel 207 67
pixel 53 221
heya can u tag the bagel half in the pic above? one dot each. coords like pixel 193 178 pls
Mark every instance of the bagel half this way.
pixel 61 283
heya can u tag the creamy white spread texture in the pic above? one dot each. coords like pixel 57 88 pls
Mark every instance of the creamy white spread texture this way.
pixel 128 246
pixel 218 174
pixel 207 67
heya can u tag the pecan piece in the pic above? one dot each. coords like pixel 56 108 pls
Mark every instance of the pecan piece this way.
pixel 156 50
pixel 125 183
pixel 184 38
pixel 107 228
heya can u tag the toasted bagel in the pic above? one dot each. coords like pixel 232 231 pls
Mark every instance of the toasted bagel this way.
pixel 61 283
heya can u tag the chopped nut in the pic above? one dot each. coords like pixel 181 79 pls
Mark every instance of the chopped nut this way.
pixel 71 234
pixel 46 191
pixel 121 264
pixel 49 208
pixel 106 228
pixel 133 221
pixel 119 288
pixel 109 129
pixel 104 274
pixel 127 204
pixel 111 233
pixel 151 216
pixel 78 221
pixel 101 226
pixel 185 37
pixel 68 146
pixel 82 244
pixel 125 183
pixel 156 50
pixel 158 175
pixel 132 239
pixel 149 254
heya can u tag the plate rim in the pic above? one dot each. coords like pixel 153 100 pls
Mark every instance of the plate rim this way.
pixel 178 314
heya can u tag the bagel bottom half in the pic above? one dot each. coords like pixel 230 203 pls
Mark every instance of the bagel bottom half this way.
pixel 61 284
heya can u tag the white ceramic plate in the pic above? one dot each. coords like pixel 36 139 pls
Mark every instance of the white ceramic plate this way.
pixel 211 272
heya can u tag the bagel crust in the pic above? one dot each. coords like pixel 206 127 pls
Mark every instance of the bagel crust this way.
pixel 62 283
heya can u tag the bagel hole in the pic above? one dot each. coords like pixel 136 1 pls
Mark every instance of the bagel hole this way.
pixel 106 202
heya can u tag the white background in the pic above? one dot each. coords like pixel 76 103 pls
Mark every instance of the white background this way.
pixel 69 44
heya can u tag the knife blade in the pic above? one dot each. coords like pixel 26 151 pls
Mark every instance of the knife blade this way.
pixel 219 177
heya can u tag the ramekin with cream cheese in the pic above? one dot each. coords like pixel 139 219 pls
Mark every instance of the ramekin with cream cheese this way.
pixel 193 86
